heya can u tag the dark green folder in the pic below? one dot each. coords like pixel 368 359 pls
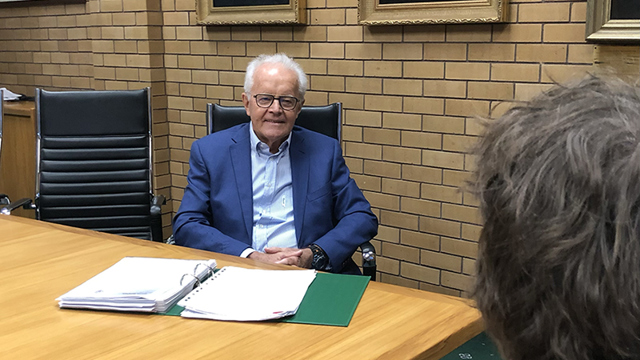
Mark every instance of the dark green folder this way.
pixel 330 300
pixel 479 348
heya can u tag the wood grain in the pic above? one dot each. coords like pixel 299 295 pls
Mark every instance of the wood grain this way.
pixel 621 60
pixel 41 261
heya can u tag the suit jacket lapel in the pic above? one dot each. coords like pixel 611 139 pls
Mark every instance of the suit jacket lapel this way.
pixel 300 180
pixel 241 164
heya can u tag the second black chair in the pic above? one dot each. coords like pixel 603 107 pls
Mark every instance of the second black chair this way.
pixel 94 168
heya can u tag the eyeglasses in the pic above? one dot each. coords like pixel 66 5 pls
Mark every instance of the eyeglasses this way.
pixel 286 102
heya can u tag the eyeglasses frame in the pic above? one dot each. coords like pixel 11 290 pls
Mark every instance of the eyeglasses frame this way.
pixel 279 101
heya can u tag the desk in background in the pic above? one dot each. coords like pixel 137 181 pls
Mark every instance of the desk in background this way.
pixel 40 261
pixel 18 158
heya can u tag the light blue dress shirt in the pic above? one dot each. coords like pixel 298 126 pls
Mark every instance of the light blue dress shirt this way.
pixel 272 196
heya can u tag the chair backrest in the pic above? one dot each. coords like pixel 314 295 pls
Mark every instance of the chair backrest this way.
pixel 94 167
pixel 323 119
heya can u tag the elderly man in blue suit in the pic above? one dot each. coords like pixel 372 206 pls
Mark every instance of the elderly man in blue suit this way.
pixel 272 191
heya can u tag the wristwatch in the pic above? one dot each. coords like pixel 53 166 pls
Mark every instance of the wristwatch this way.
pixel 320 259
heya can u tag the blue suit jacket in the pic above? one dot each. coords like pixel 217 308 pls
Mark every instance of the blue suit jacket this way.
pixel 216 212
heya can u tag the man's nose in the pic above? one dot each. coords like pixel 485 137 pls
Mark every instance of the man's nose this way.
pixel 275 106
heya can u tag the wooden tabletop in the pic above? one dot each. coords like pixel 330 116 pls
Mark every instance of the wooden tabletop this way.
pixel 40 261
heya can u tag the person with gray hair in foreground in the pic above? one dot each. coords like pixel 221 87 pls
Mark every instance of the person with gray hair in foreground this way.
pixel 558 178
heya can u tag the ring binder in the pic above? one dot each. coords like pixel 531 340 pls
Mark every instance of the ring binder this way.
pixel 197 284
pixel 203 285
pixel 138 284
pixel 211 270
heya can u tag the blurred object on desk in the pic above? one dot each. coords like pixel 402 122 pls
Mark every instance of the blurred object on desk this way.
pixel 9 95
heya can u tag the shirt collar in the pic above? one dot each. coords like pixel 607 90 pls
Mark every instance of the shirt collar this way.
pixel 262 148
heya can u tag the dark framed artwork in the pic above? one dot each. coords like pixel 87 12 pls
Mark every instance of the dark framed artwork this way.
pixel 407 12
pixel 250 12
pixel 613 21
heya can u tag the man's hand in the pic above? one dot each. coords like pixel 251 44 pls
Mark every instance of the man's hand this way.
pixel 306 258
pixel 287 256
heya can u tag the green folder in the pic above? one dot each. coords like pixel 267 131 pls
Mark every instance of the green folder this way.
pixel 330 300
pixel 479 348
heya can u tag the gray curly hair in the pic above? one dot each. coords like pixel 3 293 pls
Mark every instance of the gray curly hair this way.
pixel 558 178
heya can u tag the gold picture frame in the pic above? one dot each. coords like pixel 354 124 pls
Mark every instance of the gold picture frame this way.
pixel 408 12
pixel 258 13
pixel 601 28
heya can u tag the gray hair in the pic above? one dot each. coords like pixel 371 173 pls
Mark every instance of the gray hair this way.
pixel 281 59
pixel 558 178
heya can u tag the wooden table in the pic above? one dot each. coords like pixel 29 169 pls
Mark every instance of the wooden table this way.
pixel 18 157
pixel 40 261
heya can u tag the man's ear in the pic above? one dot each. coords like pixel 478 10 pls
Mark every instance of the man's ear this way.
pixel 245 102
pixel 301 105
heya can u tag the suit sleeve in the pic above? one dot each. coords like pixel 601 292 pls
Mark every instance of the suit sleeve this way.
pixel 192 225
pixel 354 221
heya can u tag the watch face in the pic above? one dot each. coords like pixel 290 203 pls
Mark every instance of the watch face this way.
pixel 319 261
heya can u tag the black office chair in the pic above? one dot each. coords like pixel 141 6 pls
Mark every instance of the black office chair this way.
pixel 94 166
pixel 326 120
pixel 4 199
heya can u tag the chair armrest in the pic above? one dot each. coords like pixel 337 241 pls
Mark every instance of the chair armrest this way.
pixel 156 204
pixel 26 203
pixel 156 217
pixel 369 260
pixel 170 240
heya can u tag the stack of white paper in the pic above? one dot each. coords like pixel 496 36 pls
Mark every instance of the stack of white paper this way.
pixel 138 284
pixel 248 294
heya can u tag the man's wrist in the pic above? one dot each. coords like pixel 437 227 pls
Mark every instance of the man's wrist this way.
pixel 319 260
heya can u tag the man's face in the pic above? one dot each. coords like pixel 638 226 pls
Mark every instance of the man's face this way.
pixel 273 124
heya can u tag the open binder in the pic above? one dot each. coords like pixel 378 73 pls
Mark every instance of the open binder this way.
pixel 139 284
pixel 196 289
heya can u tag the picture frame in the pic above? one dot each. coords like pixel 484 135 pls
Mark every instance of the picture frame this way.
pixel 410 12
pixel 250 12
pixel 606 24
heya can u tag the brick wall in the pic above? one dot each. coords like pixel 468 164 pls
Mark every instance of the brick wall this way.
pixel 410 95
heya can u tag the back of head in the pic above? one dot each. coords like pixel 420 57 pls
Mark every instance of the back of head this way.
pixel 558 180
